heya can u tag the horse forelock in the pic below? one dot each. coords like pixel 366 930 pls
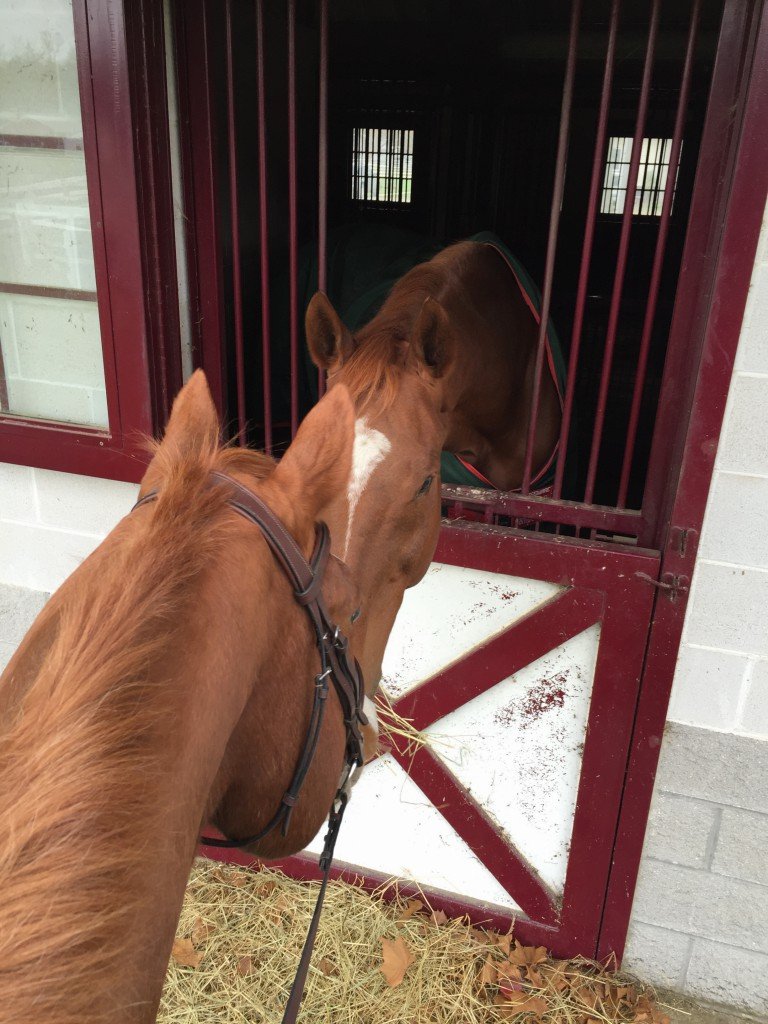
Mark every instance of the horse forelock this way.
pixel 79 747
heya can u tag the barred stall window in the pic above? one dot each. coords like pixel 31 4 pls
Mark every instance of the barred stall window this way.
pixel 382 165
pixel 652 176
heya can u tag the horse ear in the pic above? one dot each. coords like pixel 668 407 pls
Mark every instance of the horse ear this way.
pixel 317 464
pixel 194 422
pixel 329 340
pixel 432 342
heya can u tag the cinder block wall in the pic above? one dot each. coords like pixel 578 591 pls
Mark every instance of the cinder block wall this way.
pixel 700 920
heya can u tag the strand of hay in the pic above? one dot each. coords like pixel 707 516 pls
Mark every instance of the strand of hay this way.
pixel 398 731
pixel 375 962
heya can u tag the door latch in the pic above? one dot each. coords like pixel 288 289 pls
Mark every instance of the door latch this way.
pixel 672 584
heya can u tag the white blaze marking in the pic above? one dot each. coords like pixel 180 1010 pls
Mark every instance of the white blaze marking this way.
pixel 369 449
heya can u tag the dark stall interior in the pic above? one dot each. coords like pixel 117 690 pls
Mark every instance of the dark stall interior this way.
pixel 472 94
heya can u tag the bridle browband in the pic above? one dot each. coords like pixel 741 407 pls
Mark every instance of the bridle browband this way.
pixel 336 664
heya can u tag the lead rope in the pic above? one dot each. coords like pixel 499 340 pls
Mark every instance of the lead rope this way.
pixel 335 817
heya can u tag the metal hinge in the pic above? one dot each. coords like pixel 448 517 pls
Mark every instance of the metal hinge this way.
pixel 670 583
pixel 680 539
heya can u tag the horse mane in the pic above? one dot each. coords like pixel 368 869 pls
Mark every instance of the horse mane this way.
pixel 76 749
pixel 374 371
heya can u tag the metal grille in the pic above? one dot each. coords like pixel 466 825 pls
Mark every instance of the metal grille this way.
pixel 613 340
pixel 382 164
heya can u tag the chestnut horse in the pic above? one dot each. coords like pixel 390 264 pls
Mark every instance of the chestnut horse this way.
pixel 169 682
pixel 478 310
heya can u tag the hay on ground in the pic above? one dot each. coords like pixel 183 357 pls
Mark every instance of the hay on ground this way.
pixel 375 962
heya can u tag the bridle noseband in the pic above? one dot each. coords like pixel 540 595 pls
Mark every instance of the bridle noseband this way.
pixel 336 664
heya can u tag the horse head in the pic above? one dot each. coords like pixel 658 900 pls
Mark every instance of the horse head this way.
pixel 385 519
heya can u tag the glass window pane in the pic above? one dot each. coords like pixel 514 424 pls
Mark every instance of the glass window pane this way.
pixel 51 364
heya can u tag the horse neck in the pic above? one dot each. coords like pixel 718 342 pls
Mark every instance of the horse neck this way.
pixel 103 807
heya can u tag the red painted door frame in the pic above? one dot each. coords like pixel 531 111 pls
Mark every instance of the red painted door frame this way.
pixel 721 244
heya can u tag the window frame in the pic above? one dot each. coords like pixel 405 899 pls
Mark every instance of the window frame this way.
pixel 121 74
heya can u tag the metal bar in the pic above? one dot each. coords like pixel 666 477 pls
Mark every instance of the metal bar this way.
pixel 41 142
pixel 293 229
pixel 554 220
pixel 531 507
pixel 586 252
pixel 47 291
pixel 233 207
pixel 621 258
pixel 658 258
pixel 322 170
pixel 266 341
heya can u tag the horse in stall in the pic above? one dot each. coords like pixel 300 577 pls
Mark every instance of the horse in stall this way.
pixel 171 681
pixel 483 306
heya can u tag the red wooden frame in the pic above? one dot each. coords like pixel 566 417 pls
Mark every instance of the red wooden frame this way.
pixel 712 303
pixel 120 67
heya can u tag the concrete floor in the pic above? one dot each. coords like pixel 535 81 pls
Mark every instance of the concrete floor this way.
pixel 682 1011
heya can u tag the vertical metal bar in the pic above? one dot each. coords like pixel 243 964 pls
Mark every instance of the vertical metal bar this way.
pixel 586 251
pixel 554 220
pixel 233 207
pixel 293 229
pixel 658 258
pixel 266 342
pixel 322 171
pixel 621 258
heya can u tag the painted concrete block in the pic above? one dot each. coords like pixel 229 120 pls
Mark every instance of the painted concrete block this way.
pixel 741 850
pixel 680 830
pixel 6 651
pixel 703 904
pixel 17 498
pixel 714 766
pixel 39 557
pixel 657 955
pixel 727 608
pixel 744 443
pixel 707 687
pixel 736 524
pixel 753 718
pixel 19 607
pixel 753 344
pixel 81 503
pixel 723 974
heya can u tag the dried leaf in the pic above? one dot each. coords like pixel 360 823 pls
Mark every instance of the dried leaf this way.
pixel 201 930
pixel 504 942
pixel 439 917
pixel 244 966
pixel 184 953
pixel 527 955
pixel 526 1004
pixel 412 907
pixel 489 974
pixel 479 936
pixel 535 977
pixel 327 967
pixel 396 959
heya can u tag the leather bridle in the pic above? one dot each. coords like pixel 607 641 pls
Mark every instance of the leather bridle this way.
pixel 336 664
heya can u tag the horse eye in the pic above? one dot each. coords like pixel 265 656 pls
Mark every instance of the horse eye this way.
pixel 425 486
